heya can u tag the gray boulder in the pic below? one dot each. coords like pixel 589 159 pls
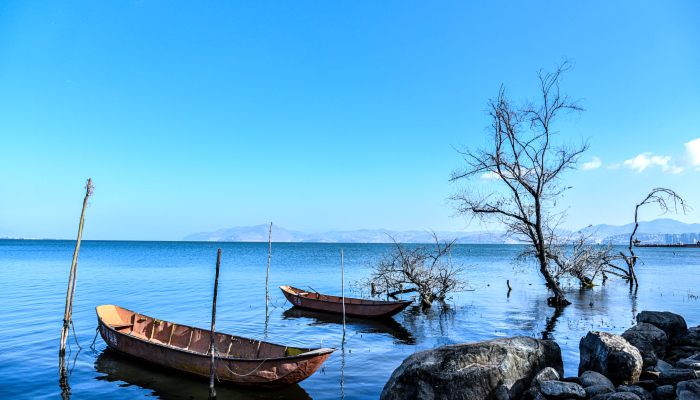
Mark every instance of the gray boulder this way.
pixel 688 390
pixel 665 392
pixel 612 356
pixel 595 390
pixel 473 371
pixel 692 362
pixel 672 324
pixel 673 376
pixel 640 392
pixel 623 396
pixel 650 340
pixel 592 378
pixel 547 374
pixel 562 390
pixel 684 345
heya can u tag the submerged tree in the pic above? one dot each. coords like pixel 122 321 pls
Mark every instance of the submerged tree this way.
pixel 524 160
pixel 426 270
pixel 667 200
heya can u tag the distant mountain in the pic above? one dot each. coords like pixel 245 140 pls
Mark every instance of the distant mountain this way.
pixel 656 231
pixel 259 233
pixel 662 230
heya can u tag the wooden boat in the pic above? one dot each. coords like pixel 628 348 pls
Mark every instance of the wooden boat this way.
pixel 354 307
pixel 239 360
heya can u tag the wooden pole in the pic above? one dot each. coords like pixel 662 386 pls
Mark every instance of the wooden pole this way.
pixel 68 313
pixel 342 288
pixel 267 273
pixel 212 391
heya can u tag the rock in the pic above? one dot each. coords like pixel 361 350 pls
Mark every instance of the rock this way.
pixel 572 379
pixel 649 386
pixel 594 390
pixel 666 392
pixel 672 324
pixel 684 345
pixel 649 375
pixel 592 378
pixel 533 394
pixel 641 393
pixel 688 390
pixel 473 370
pixel 501 393
pixel 562 390
pixel 547 374
pixel 612 356
pixel 662 366
pixel 673 376
pixel 692 362
pixel 623 396
pixel 649 340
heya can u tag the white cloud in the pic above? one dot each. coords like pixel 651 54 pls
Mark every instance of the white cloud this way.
pixel 692 150
pixel 646 160
pixel 593 164
pixel 489 175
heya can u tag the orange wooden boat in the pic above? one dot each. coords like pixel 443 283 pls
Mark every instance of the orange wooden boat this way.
pixel 241 361
pixel 334 304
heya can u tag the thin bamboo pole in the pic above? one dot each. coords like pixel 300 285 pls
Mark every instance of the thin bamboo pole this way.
pixel 70 294
pixel 267 273
pixel 212 391
pixel 342 288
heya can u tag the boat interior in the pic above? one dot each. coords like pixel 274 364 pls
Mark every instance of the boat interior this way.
pixel 188 338
pixel 333 299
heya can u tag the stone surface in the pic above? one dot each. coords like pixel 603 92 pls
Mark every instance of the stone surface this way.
pixel 501 393
pixel 623 396
pixel 649 386
pixel 533 394
pixel 547 374
pixel 662 366
pixel 562 390
pixel 692 362
pixel 598 389
pixel 612 356
pixel 673 376
pixel 591 378
pixel 473 370
pixel 672 324
pixel 688 390
pixel 684 345
pixel 666 392
pixel 650 340
pixel 643 394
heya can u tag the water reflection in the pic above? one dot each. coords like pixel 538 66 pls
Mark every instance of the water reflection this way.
pixel 362 325
pixel 168 384
pixel 430 323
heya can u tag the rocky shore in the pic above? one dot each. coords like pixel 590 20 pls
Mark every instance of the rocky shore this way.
pixel 658 358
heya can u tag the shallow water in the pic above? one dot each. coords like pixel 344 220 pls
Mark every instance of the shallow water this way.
pixel 173 281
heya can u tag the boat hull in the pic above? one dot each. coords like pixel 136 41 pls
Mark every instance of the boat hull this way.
pixel 262 373
pixel 353 307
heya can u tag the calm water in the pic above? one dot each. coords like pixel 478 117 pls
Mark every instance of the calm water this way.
pixel 173 281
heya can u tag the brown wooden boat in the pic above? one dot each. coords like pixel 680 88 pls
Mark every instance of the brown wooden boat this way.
pixel 241 361
pixel 355 307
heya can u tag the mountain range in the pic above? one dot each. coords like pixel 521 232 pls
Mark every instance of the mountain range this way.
pixel 663 230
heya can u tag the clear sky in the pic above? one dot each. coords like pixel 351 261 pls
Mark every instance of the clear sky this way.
pixel 195 116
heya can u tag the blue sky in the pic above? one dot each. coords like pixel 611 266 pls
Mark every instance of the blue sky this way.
pixel 324 115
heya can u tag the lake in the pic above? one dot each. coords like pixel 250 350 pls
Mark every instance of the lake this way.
pixel 174 281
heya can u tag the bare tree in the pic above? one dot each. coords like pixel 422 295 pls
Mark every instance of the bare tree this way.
pixel 582 259
pixel 426 270
pixel 524 159
pixel 667 200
